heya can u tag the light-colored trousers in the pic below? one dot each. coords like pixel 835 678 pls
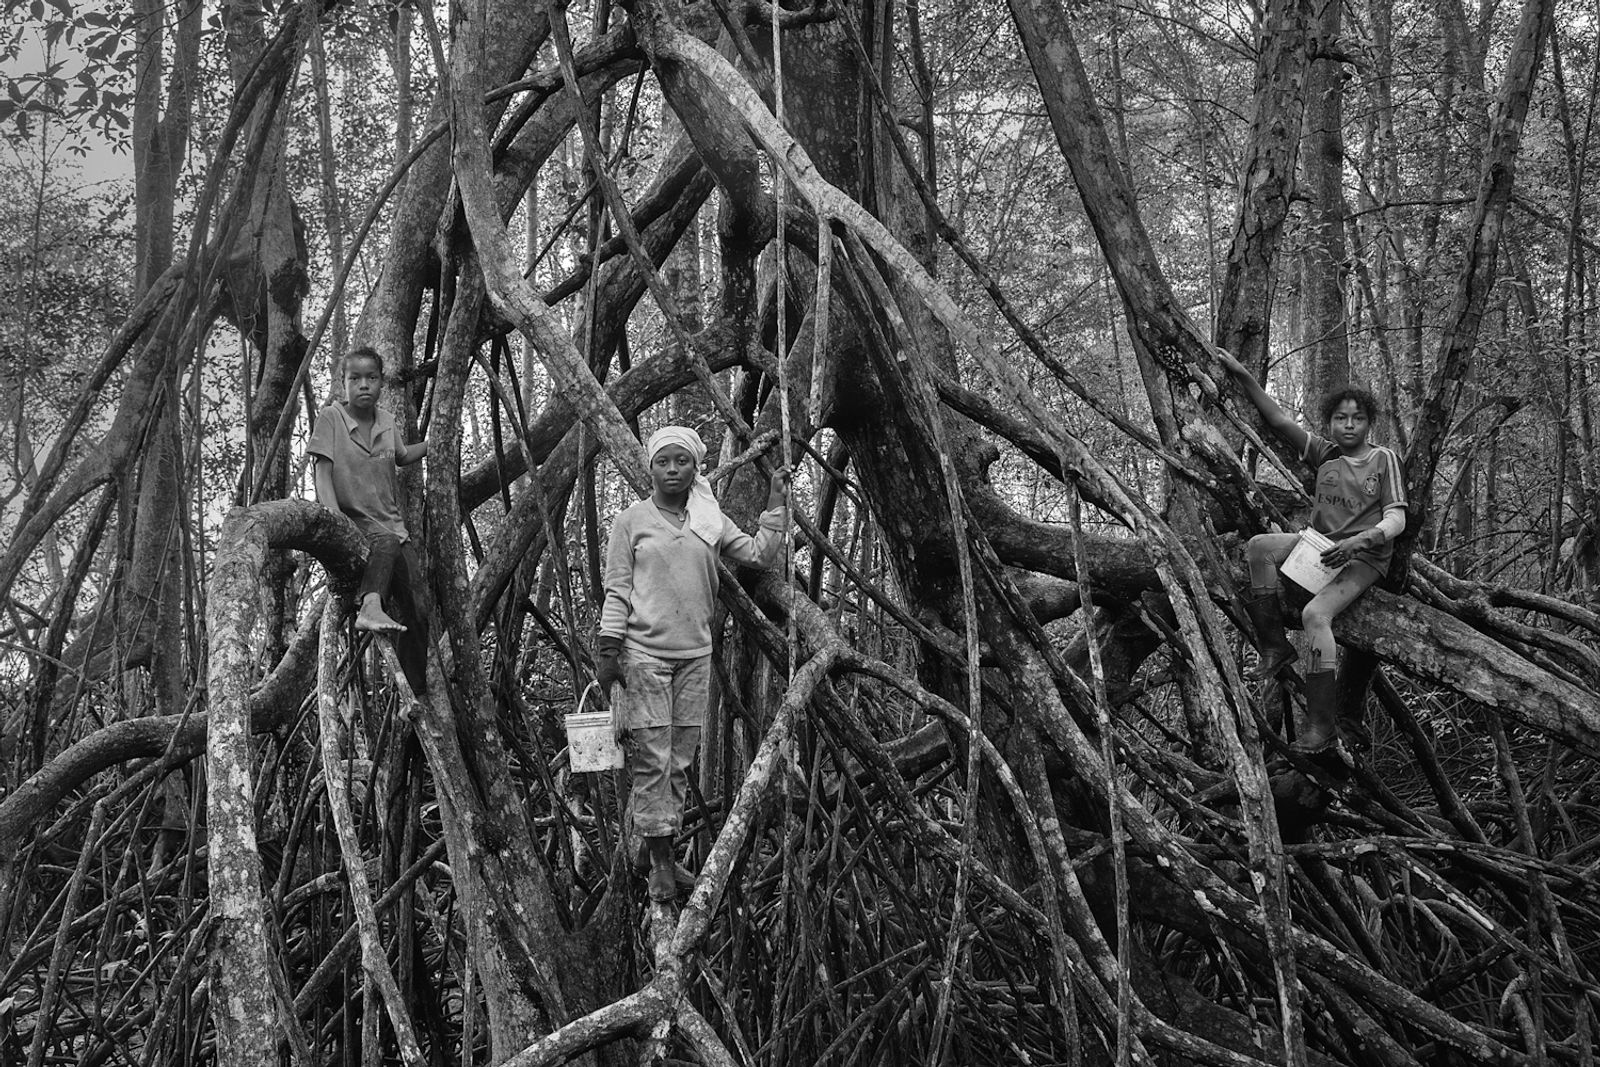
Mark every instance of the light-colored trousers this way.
pixel 663 709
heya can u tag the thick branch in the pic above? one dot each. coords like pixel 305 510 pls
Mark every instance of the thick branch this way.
pixel 1444 650
pixel 175 739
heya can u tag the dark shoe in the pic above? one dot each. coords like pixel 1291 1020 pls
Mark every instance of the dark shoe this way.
pixel 1266 617
pixel 663 882
pixel 1322 712
pixel 663 885
pixel 641 867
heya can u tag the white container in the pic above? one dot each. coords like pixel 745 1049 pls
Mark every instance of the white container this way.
pixel 1304 567
pixel 591 745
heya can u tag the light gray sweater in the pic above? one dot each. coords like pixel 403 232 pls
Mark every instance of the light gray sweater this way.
pixel 661 581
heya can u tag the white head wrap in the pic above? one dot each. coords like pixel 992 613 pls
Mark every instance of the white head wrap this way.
pixel 705 515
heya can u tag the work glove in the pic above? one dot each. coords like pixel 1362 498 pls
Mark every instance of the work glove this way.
pixel 608 663
pixel 1344 551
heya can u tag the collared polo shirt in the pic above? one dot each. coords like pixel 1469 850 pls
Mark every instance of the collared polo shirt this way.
pixel 365 479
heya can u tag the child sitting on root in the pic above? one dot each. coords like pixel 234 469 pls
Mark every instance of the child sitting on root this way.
pixel 655 628
pixel 1360 506
pixel 358 454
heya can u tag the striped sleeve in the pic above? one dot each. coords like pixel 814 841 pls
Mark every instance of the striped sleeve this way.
pixel 1393 478
pixel 1318 450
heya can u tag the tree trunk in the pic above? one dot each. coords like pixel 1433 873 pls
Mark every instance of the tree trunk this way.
pixel 1268 182
pixel 1326 264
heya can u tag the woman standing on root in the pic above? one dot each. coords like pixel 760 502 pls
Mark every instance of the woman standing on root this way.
pixel 1360 506
pixel 655 628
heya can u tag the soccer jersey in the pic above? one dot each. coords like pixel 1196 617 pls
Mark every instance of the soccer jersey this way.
pixel 1352 493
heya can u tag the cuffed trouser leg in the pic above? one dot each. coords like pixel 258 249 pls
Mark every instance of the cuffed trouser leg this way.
pixel 649 751
pixel 685 743
pixel 411 646
pixel 382 551
pixel 664 706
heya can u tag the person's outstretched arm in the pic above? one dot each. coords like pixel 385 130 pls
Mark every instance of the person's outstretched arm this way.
pixel 763 549
pixel 406 455
pixel 1282 423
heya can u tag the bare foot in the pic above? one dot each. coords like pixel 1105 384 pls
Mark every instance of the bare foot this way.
pixel 373 617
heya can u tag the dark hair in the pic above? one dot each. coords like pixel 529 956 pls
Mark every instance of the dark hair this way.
pixel 1365 402
pixel 364 352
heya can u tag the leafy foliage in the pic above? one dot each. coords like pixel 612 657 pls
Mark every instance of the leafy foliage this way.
pixel 89 91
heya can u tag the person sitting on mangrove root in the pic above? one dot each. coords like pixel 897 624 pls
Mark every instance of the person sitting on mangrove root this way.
pixel 1360 507
pixel 655 628
pixel 358 453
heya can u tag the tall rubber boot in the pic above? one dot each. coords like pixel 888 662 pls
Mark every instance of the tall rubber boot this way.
pixel 1321 726
pixel 1266 617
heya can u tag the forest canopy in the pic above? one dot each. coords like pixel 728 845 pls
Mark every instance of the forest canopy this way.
pixel 986 778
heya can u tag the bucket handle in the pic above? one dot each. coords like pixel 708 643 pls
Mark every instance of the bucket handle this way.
pixel 617 732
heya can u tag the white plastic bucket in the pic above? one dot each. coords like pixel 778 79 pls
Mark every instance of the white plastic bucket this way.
pixel 591 746
pixel 1304 567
